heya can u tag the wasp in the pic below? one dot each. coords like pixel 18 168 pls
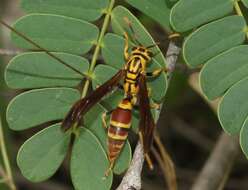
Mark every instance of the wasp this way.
pixel 133 76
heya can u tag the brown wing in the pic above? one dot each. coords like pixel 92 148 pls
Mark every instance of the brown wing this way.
pixel 146 123
pixel 83 105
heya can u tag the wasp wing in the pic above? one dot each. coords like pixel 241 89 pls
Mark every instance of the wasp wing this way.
pixel 81 107
pixel 146 123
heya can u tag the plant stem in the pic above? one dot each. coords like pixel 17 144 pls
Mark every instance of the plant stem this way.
pixel 6 162
pixel 98 45
pixel 239 12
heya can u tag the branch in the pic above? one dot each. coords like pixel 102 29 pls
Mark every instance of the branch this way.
pixel 132 178
pixel 218 166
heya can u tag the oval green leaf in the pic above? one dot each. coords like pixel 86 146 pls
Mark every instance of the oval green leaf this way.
pixel 189 14
pixel 158 10
pixel 223 71
pixel 80 9
pixel 244 138
pixel 118 20
pixel 37 70
pixel 41 155
pixel 89 163
pixel 56 33
pixel 38 106
pixel 214 38
pixel 93 121
pixel 233 109
pixel 114 45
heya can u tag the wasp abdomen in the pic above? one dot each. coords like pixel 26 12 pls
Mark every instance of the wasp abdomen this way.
pixel 120 124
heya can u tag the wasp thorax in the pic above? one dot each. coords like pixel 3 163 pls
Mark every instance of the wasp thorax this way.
pixel 143 52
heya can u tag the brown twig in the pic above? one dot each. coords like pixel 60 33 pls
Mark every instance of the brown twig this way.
pixel 166 163
pixel 132 178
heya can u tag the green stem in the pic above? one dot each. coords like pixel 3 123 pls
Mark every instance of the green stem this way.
pixel 6 162
pixel 239 12
pixel 98 46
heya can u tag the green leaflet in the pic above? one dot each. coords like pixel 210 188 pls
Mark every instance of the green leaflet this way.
pixel 81 9
pixel 233 109
pixel 159 10
pixel 37 70
pixel 212 39
pixel 41 155
pixel 89 163
pixel 50 33
pixel 223 71
pixel 39 106
pixel 189 14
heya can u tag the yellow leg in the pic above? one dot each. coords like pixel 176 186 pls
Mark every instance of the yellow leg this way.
pixel 109 169
pixel 126 54
pixel 157 72
pixel 174 35
pixel 104 123
pixel 147 157
pixel 155 106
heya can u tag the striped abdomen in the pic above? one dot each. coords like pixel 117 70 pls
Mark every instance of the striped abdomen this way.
pixel 120 124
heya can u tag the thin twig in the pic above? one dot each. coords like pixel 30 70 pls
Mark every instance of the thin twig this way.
pixel 166 163
pixel 218 166
pixel 6 162
pixel 132 178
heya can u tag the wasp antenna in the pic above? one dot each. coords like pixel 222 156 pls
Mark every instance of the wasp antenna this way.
pixel 134 36
pixel 41 48
pixel 153 45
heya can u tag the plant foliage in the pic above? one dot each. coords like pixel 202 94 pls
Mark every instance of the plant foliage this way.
pixel 64 28
pixel 217 35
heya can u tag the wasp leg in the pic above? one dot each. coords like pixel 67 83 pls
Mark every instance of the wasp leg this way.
pixel 109 169
pixel 155 106
pixel 126 54
pixel 157 72
pixel 147 157
pixel 104 118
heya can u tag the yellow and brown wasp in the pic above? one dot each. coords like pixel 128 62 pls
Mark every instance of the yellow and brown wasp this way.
pixel 133 77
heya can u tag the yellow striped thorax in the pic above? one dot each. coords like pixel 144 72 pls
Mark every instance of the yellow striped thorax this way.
pixel 143 53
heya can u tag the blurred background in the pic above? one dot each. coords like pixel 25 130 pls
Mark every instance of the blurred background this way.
pixel 188 126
